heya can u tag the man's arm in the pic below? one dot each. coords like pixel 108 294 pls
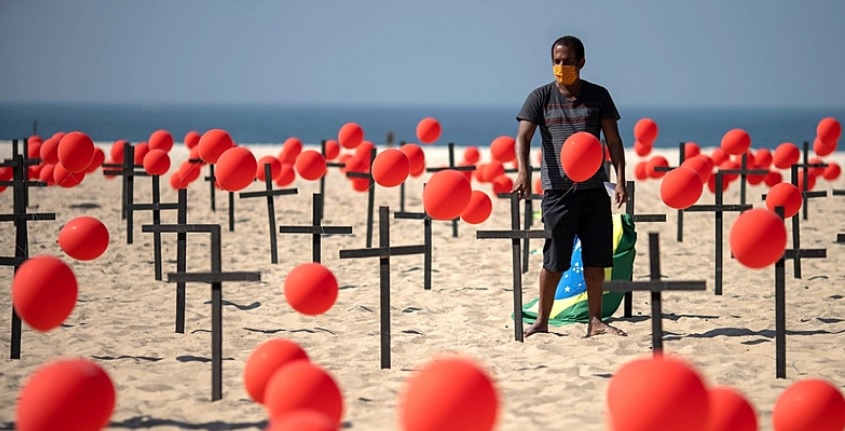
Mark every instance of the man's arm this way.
pixel 524 134
pixel 617 157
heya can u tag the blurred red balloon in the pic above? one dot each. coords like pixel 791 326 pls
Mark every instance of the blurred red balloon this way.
pixel 311 289
pixel 786 155
pixel 84 238
pixel 302 385
pixel 44 292
pixel 192 139
pixel 478 209
pixel 772 178
pixel 177 181
pixel 711 184
pixel 822 149
pixel 75 151
pixel 266 359
pixel 449 394
pixel 157 162
pixel 287 175
pixel 290 150
pixel 190 171
pixel 65 178
pixel 116 150
pixel 140 151
pixel 471 155
pixel 811 181
pixel 809 404
pixel 642 149
pixel 641 170
pixel 49 151
pixel 66 394
pixel 213 143
pixel 416 158
pixel 645 131
pixel 503 149
pixel 391 168
pixel 538 186
pixel 681 188
pixel 235 169
pixel 428 130
pixel 763 156
pixel 161 140
pixel 729 411
pixel 33 149
pixel 736 142
pixel 758 238
pixel 96 161
pixel 653 163
pixel 332 149
pixel 718 156
pixel 691 149
pixel 310 165
pixel 701 164
pixel 832 171
pixel 828 131
pixel 302 420
pixel 581 156
pixel 729 165
pixel 46 174
pixel 275 167
pixel 502 184
pixel 350 135
pixel 658 393
pixel 446 194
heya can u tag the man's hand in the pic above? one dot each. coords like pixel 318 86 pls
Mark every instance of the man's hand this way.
pixel 521 186
pixel 620 194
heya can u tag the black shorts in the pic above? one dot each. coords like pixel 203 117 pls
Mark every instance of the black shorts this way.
pixel 586 213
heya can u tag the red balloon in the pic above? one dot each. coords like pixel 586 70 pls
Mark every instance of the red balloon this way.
pixel 758 238
pixel 719 156
pixel 96 161
pixel 701 164
pixel 157 162
pixel 832 171
pixel 786 155
pixel 653 163
pixel 416 158
pixel 729 165
pixel 350 135
pixel 332 149
pixel 46 174
pixel 66 394
pixel 729 411
pixel 502 184
pixel 391 168
pixel 49 151
pixel 581 156
pixel 641 170
pixel 472 155
pixel 446 194
pixel 177 181
pixel 213 143
pixel 711 184
pixel 828 131
pixel 65 178
pixel 641 149
pixel 302 385
pixel 290 150
pixel 736 142
pixel 311 289
pixel 449 394
pixel 657 394
pixel 141 151
pixel 809 404
pixel 478 209
pixel 161 140
pixel 287 175
pixel 84 238
pixel 44 292
pixel 503 149
pixel 681 188
pixel 192 139
pixel 310 165
pixel 302 420
pixel 33 149
pixel 763 156
pixel 428 130
pixel 645 131
pixel 235 169
pixel 190 171
pixel 75 151
pixel 266 359
pixel 116 150
pixel 773 178
pixel 538 186
pixel 691 149
pixel 822 149
pixel 275 167
pixel 811 181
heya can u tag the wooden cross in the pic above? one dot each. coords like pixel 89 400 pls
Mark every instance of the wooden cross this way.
pixel 316 230
pixel 212 180
pixel 528 221
pixel 656 287
pixel 269 193
pixel 383 252
pixel 427 242
pixel 453 167
pixel 371 195
pixel 805 166
pixel 515 234
pixel 637 218
pixel 681 158
pixel 126 170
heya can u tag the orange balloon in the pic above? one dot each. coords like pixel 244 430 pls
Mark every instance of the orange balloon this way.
pixel 44 292
pixel 310 165
pixel 832 171
pixel 503 149
pixel 502 184
pixel 161 140
pixel 786 155
pixel 332 149
pixel 84 238
pixel 701 164
pixel 428 130
pixel 828 131
pixel 471 155
pixel 235 169
pixel 96 161
pixel 66 394
pixel 302 385
pixel 350 135
pixel 311 289
pixel 192 139
pixel 581 156
pixel 645 131
pixel 642 149
pixel 736 142
pixel 449 394
pixel 809 404
pixel 681 188
pixel 49 151
pixel 302 420
pixel 729 411
pixel 287 175
pixel 266 359
pixel 446 194
pixel 75 151
pixel 653 163
pixel 275 167
pixel 391 168
pixel 478 209
pixel 157 162
pixel 65 178
pixel 213 143
pixel 657 394
pixel 758 238
pixel 141 151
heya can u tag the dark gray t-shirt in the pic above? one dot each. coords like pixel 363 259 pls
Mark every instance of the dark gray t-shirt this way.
pixel 558 119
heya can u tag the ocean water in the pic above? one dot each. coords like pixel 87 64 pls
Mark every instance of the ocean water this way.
pixel 463 126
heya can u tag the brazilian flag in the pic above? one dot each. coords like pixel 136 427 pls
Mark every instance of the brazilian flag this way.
pixel 570 304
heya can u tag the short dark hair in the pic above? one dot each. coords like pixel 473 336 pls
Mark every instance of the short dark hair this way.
pixel 573 43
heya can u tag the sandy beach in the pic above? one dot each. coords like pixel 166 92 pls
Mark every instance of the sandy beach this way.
pixel 124 318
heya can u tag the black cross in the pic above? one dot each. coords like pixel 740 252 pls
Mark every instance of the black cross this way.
pixel 328 165
pixel 383 252
pixel 371 194
pixel 27 162
pixel 19 217
pixel 156 206
pixel 316 230
pixel 269 193
pixel 427 242
pixel 126 170
pixel 681 157
pixel 215 277
pixel 805 166
pixel 528 221
pixel 452 166
pixel 212 185
pixel 656 287
pixel 637 218
pixel 515 234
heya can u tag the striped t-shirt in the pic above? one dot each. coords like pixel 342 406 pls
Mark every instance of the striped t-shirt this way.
pixel 559 118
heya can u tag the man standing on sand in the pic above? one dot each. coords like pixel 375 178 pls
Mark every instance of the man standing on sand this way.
pixel 562 108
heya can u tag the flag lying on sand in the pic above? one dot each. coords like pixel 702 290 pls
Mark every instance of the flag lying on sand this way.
pixel 570 304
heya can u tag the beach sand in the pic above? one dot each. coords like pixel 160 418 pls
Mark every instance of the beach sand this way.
pixel 124 319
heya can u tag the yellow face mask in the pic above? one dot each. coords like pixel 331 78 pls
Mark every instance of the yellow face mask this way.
pixel 565 75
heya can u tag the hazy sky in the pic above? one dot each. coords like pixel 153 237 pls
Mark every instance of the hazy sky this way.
pixel 777 53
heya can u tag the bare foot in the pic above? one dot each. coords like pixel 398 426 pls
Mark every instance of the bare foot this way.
pixel 597 327
pixel 537 327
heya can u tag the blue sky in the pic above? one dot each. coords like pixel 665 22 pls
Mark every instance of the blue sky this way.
pixel 652 53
